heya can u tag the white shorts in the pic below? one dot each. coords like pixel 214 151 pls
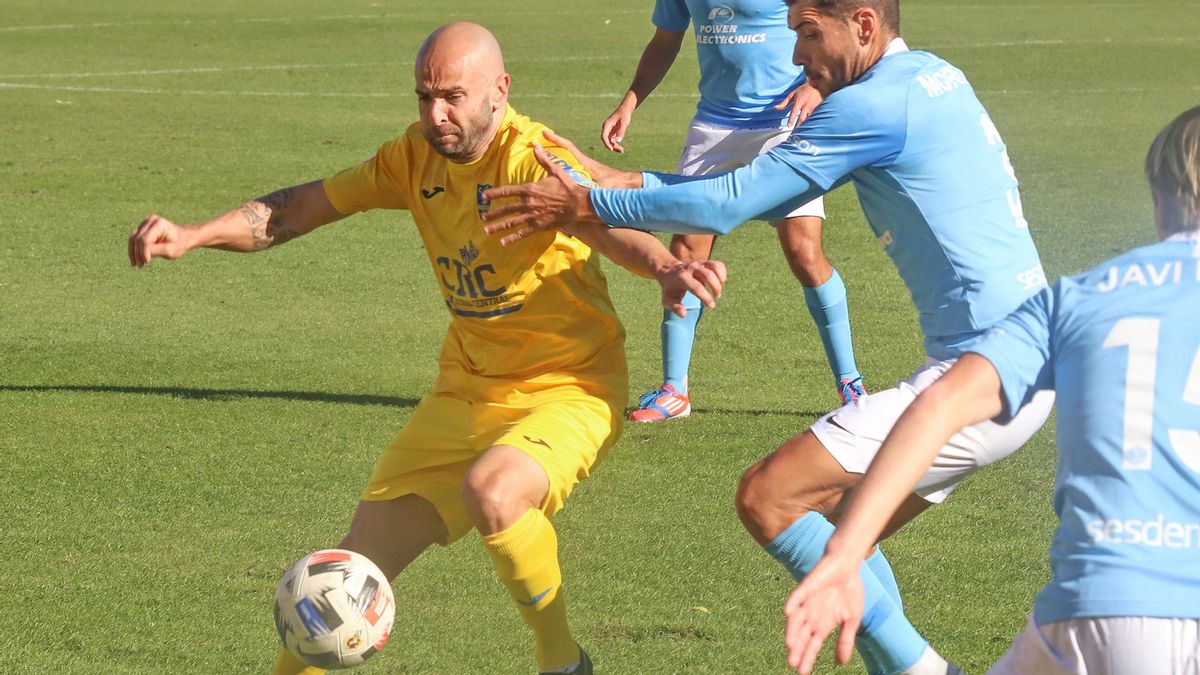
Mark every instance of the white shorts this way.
pixel 1115 645
pixel 712 148
pixel 854 432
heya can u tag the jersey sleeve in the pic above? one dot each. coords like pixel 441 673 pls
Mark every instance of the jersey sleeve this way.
pixel 765 188
pixel 671 15
pixel 845 133
pixel 381 182
pixel 529 170
pixel 1020 349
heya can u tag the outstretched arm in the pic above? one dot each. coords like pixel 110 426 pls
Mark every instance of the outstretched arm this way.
pixel 831 595
pixel 767 188
pixel 644 255
pixel 267 221
pixel 657 58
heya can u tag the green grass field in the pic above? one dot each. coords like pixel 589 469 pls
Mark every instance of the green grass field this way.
pixel 172 438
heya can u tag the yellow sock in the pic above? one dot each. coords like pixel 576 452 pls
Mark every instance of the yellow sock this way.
pixel 526 558
pixel 288 664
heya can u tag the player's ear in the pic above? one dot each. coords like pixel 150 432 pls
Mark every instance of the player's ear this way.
pixel 866 23
pixel 501 90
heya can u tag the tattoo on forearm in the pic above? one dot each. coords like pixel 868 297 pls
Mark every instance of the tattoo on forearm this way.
pixel 263 215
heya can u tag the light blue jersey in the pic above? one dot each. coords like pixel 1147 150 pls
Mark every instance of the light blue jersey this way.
pixel 1121 346
pixel 745 53
pixel 933 177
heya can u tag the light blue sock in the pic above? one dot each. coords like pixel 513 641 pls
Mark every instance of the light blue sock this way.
pixel 829 310
pixel 678 335
pixel 883 572
pixel 886 640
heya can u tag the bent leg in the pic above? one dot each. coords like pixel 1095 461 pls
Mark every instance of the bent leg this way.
pixel 503 493
pixel 824 292
pixel 781 500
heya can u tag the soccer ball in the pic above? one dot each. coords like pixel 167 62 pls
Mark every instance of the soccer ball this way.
pixel 334 609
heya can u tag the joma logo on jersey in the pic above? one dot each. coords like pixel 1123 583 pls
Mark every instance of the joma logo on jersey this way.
pixel 465 281
pixel 482 204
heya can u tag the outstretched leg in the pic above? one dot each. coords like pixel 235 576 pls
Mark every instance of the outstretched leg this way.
pixel 781 500
pixel 392 534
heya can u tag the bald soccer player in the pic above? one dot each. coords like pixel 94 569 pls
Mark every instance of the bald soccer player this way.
pixel 532 378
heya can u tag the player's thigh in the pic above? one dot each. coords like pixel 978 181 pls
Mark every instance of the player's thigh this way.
pixel 798 477
pixel 803 472
pixel 854 432
pixel 1104 646
pixel 567 431
pixel 429 458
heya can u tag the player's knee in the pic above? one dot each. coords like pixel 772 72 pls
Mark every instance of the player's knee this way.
pixel 746 502
pixel 808 263
pixel 484 493
pixel 761 504
pixel 767 503
pixel 492 500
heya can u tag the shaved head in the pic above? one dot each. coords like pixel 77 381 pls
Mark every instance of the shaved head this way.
pixel 462 43
pixel 462 90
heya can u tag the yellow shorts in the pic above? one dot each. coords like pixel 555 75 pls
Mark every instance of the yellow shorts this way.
pixel 566 430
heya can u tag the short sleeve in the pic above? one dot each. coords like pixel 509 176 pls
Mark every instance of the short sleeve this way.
pixel 378 183
pixel 671 15
pixel 1020 349
pixel 529 170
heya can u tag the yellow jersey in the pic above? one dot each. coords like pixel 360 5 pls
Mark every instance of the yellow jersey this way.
pixel 530 315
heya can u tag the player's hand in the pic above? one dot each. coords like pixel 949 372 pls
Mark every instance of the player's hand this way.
pixel 705 279
pixel 157 237
pixel 830 596
pixel 604 175
pixel 612 132
pixel 802 101
pixel 552 203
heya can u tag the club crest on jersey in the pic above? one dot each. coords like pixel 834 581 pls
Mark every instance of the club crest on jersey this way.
pixel 468 253
pixel 482 204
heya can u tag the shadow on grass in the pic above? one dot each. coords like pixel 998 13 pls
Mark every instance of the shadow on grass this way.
pixel 195 393
pixel 221 394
